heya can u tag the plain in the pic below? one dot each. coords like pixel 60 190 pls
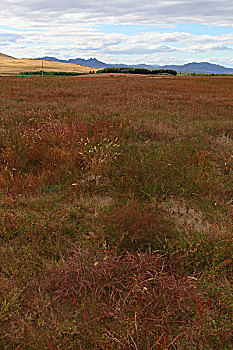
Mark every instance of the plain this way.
pixel 116 212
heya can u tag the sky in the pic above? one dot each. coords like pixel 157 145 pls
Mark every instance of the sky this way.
pixel 134 31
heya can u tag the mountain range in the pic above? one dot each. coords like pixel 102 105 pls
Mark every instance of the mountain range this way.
pixel 194 67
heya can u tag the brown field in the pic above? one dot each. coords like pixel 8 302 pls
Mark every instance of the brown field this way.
pixel 116 213
pixel 15 66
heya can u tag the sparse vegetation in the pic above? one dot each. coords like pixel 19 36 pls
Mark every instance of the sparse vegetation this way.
pixel 116 213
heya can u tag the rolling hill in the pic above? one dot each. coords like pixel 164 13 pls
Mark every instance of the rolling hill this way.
pixel 10 65
pixel 4 57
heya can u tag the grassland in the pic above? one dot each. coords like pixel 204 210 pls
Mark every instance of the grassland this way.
pixel 10 65
pixel 116 213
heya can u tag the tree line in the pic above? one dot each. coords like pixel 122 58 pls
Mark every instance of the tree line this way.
pixel 137 71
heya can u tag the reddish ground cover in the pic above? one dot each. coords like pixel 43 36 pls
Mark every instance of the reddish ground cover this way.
pixel 116 212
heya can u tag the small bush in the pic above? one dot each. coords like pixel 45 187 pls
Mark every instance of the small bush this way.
pixel 135 226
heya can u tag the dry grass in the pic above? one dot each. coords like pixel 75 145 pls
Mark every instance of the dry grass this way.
pixel 5 57
pixel 16 66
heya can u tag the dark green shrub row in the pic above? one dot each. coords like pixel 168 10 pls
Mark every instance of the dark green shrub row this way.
pixel 137 70
pixel 53 74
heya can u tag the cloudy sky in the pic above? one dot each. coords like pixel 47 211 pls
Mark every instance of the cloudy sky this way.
pixel 119 31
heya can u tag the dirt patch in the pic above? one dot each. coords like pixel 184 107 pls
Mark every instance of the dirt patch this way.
pixel 186 217
pixel 225 141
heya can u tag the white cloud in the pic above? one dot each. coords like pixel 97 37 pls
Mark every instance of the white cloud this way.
pixel 8 37
pixel 67 28
pixel 85 42
pixel 31 12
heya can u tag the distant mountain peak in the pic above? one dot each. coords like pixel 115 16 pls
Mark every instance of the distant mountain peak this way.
pixel 191 67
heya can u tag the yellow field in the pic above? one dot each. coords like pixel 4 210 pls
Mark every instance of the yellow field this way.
pixel 10 65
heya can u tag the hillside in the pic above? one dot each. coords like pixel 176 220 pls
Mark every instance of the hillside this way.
pixel 4 57
pixel 9 65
